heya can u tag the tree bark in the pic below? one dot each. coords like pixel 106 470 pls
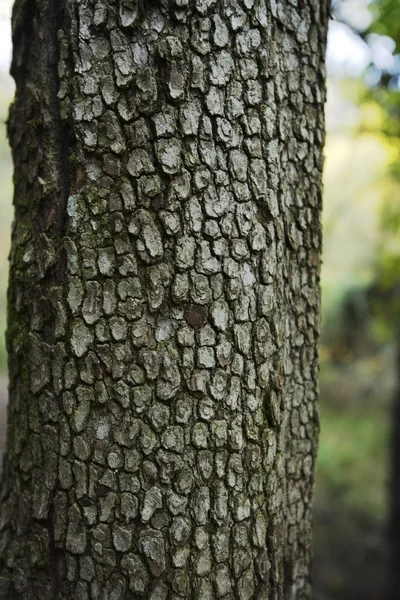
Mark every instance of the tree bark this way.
pixel 163 299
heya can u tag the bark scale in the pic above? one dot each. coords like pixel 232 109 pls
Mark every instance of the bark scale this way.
pixel 163 299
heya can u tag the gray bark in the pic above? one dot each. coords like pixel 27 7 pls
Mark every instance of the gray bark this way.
pixel 163 299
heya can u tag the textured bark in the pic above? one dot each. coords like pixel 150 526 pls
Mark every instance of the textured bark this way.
pixel 163 300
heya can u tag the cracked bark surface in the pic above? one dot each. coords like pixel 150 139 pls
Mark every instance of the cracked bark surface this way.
pixel 163 299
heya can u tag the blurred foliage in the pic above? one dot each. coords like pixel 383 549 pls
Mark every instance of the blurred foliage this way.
pixel 356 180
pixel 386 18
pixel 360 285
pixel 352 458
pixel 385 291
pixel 366 311
pixel 6 191
pixel 352 466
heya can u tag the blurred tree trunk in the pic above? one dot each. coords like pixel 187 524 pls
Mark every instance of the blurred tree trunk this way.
pixel 394 495
pixel 163 299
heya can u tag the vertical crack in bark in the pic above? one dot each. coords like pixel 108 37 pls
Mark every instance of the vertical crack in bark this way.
pixel 56 276
pixel 57 13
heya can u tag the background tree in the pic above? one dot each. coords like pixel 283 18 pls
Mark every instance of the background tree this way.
pixel 386 297
pixel 163 299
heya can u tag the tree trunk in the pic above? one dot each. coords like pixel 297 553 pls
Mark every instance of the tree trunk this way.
pixel 163 299
pixel 393 529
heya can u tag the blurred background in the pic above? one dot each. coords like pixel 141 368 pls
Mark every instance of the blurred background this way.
pixel 360 288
